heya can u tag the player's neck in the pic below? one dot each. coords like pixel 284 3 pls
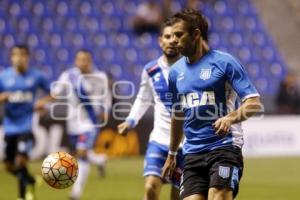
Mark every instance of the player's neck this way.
pixel 199 53
pixel 195 57
pixel 89 71
pixel 170 60
pixel 20 70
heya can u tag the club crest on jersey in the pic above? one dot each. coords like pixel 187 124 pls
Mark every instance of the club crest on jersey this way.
pixel 156 77
pixel 205 74
pixel 224 172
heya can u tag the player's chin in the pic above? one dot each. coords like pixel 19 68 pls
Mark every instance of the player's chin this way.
pixel 171 53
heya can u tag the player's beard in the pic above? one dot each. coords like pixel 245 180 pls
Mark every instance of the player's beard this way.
pixel 171 54
pixel 188 50
pixel 85 69
pixel 21 68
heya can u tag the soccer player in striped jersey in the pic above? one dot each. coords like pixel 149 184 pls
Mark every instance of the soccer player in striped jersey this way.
pixel 206 87
pixel 88 97
pixel 18 88
pixel 154 87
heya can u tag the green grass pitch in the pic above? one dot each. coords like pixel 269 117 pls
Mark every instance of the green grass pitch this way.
pixel 264 179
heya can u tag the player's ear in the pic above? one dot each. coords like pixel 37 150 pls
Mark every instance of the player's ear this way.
pixel 160 41
pixel 197 34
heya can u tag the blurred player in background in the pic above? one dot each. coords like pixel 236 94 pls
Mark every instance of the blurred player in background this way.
pixel 18 87
pixel 205 86
pixel 154 86
pixel 89 100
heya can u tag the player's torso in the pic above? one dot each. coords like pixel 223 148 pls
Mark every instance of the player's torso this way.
pixel 205 96
pixel 158 75
pixel 203 86
pixel 19 106
pixel 22 87
pixel 78 118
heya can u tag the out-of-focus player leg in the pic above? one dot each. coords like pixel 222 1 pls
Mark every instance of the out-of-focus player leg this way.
pixel 16 160
pixel 154 160
pixel 153 163
pixel 97 159
pixel 152 187
pixel 83 166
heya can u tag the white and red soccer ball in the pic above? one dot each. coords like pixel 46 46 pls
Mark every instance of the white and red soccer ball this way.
pixel 60 170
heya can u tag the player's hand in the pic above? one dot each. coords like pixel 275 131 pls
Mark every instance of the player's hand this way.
pixel 169 167
pixel 123 128
pixel 222 126
pixel 4 96
pixel 40 107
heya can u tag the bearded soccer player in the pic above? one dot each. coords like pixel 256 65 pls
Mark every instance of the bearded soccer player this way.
pixel 154 87
pixel 18 87
pixel 205 86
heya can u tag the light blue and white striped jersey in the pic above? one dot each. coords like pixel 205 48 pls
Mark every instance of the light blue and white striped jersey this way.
pixel 154 92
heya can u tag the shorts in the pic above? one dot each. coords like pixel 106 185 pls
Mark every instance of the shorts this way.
pixel 155 158
pixel 84 141
pixel 220 168
pixel 19 144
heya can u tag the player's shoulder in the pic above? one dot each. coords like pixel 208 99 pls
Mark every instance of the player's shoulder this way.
pixel 99 73
pixel 221 56
pixel 35 72
pixel 152 65
pixel 178 66
pixel 6 71
pixel 69 72
pixel 179 63
pixel 41 79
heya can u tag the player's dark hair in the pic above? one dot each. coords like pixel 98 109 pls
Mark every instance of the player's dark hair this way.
pixel 166 23
pixel 23 47
pixel 194 20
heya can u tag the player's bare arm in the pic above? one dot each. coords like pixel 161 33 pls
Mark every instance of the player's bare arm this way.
pixel 175 140
pixel 249 107
pixel 123 128
pixel 41 103
pixel 142 102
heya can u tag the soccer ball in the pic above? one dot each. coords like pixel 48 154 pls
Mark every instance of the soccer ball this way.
pixel 60 170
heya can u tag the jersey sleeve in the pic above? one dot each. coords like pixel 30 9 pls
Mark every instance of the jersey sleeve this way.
pixel 62 87
pixel 239 80
pixel 142 102
pixel 44 83
pixel 106 100
pixel 176 106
